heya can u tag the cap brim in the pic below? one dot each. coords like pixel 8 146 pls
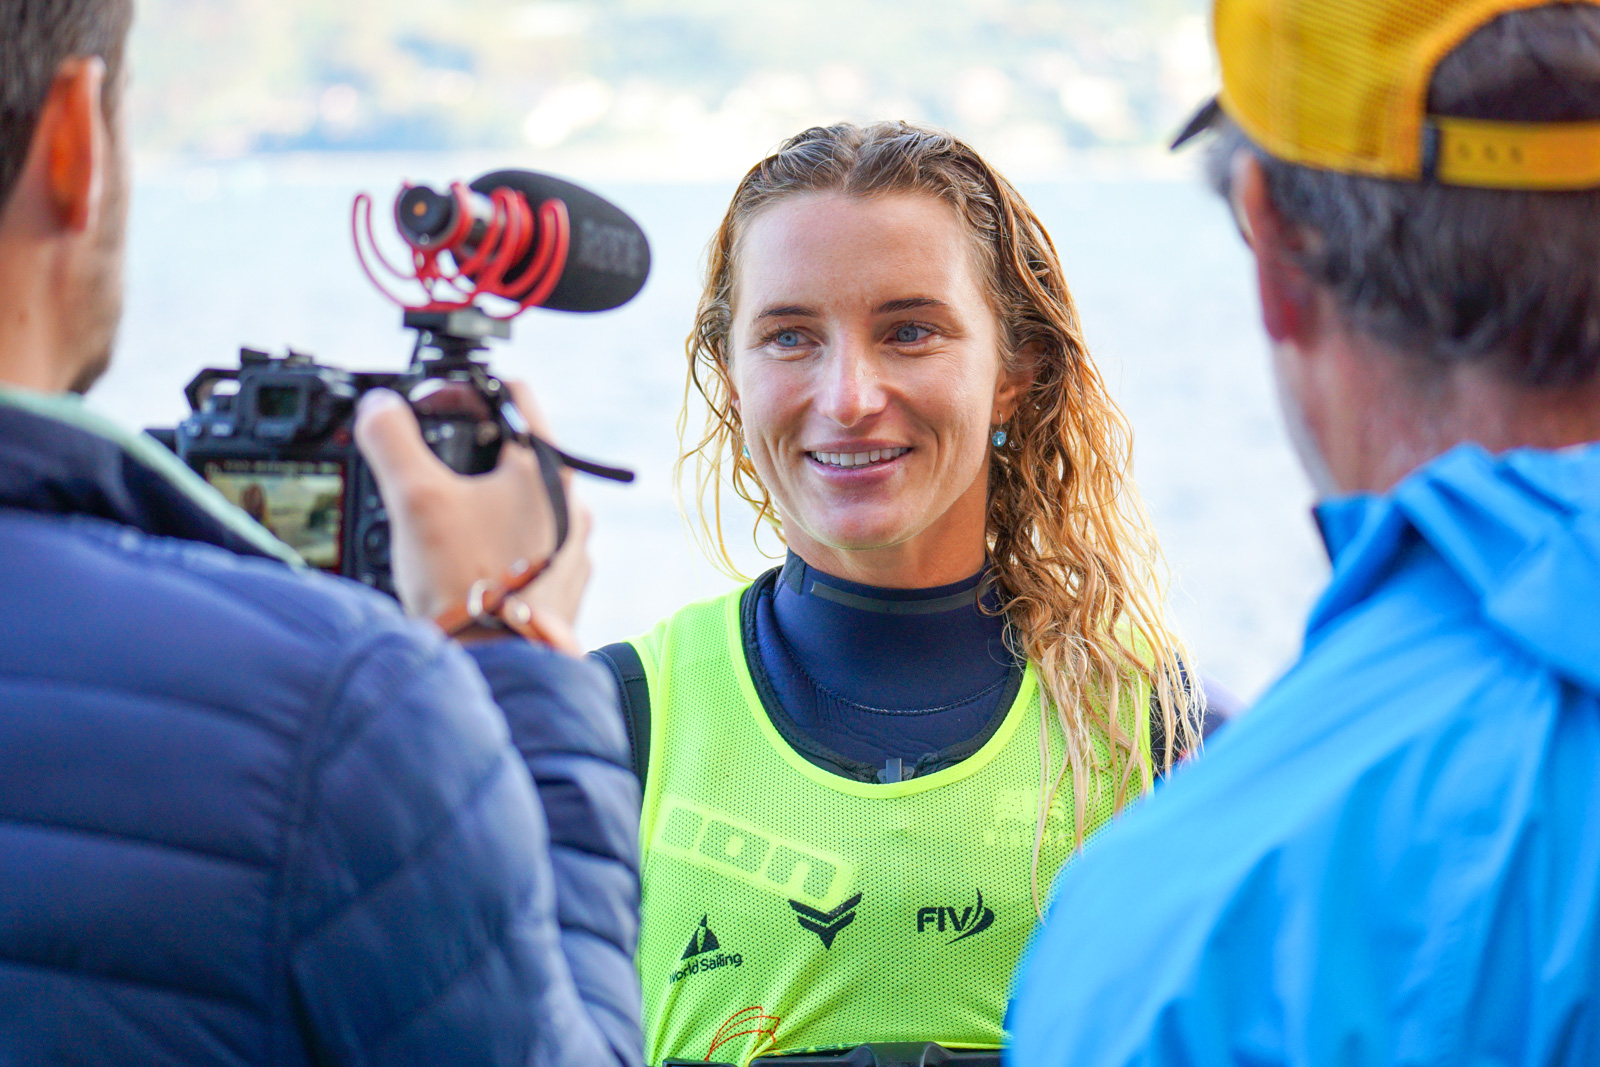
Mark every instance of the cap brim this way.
pixel 1202 121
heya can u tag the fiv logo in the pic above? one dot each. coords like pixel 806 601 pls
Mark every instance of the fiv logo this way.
pixel 972 919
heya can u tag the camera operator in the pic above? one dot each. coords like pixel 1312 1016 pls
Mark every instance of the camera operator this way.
pixel 250 813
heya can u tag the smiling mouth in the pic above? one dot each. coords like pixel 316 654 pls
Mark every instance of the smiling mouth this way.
pixel 848 460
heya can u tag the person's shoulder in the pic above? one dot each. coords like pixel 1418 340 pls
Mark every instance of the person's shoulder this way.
pixel 1473 558
pixel 1367 790
pixel 1393 804
pixel 106 605
pixel 715 607
pixel 1407 683
pixel 190 727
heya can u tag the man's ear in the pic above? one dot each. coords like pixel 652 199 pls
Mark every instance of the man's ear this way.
pixel 1288 295
pixel 75 141
pixel 1016 379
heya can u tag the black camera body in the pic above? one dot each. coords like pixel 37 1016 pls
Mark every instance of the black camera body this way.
pixel 274 436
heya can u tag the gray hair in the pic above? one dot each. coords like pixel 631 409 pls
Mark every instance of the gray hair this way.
pixel 1456 275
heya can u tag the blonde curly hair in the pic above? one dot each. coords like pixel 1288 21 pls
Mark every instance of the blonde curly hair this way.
pixel 1073 557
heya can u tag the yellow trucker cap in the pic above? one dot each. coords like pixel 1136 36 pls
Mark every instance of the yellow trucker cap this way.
pixel 1342 85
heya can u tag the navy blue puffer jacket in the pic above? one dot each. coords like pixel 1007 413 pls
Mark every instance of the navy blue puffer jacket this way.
pixel 252 815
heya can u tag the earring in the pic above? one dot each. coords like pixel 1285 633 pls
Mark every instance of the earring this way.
pixel 746 451
pixel 999 438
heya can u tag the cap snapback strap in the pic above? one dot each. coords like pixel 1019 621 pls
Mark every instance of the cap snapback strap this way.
pixel 1541 156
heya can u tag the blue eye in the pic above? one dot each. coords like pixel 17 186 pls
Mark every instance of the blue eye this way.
pixel 787 338
pixel 910 335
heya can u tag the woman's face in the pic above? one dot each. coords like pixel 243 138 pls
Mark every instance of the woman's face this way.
pixel 866 368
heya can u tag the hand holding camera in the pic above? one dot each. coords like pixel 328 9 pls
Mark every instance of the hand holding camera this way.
pixel 450 531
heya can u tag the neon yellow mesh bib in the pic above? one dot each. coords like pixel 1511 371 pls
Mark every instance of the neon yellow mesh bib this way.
pixel 787 908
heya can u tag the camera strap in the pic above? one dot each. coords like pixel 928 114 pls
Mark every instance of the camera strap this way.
pixel 551 459
pixel 550 463
pixel 490 605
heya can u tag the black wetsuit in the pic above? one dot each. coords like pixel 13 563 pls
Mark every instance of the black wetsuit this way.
pixel 880 683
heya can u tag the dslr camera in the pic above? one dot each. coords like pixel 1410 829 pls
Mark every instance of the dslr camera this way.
pixel 274 434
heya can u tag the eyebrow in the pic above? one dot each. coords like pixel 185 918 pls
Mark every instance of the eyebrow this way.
pixel 909 303
pixel 789 311
pixel 798 311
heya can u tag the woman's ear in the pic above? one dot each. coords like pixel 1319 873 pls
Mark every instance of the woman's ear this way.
pixel 1016 378
pixel 733 387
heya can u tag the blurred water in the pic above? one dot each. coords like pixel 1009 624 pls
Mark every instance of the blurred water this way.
pixel 258 252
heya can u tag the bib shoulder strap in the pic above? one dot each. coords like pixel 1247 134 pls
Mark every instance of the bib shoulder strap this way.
pixel 1210 719
pixel 623 661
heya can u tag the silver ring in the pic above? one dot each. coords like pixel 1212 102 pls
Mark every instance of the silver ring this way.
pixel 475 600
pixel 519 612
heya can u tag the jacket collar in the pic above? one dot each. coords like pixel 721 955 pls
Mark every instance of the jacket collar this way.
pixel 1520 532
pixel 58 458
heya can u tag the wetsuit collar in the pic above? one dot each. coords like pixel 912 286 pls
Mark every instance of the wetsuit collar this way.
pixel 802 580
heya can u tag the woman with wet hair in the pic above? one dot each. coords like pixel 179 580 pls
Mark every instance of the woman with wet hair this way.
pixel 862 769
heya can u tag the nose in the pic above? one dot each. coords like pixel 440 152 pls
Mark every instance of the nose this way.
pixel 850 390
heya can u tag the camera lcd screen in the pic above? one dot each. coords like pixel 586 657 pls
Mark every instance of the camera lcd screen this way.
pixel 300 501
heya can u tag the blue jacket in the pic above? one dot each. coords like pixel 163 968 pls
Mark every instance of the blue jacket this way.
pixel 1395 857
pixel 249 814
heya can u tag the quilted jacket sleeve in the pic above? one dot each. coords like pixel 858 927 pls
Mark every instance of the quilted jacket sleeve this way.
pixel 462 883
pixel 566 724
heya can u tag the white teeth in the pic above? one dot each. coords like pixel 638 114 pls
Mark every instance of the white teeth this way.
pixel 857 459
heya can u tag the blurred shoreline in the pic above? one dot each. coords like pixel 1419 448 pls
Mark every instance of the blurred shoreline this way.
pixel 698 88
pixel 615 165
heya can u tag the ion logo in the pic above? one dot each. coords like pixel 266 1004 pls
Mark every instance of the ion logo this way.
pixel 784 867
pixel 972 919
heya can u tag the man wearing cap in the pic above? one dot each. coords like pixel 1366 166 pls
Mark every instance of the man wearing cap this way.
pixel 1395 857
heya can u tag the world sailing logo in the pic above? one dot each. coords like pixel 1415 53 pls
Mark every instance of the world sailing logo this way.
pixel 702 940
pixel 702 943
pixel 966 922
